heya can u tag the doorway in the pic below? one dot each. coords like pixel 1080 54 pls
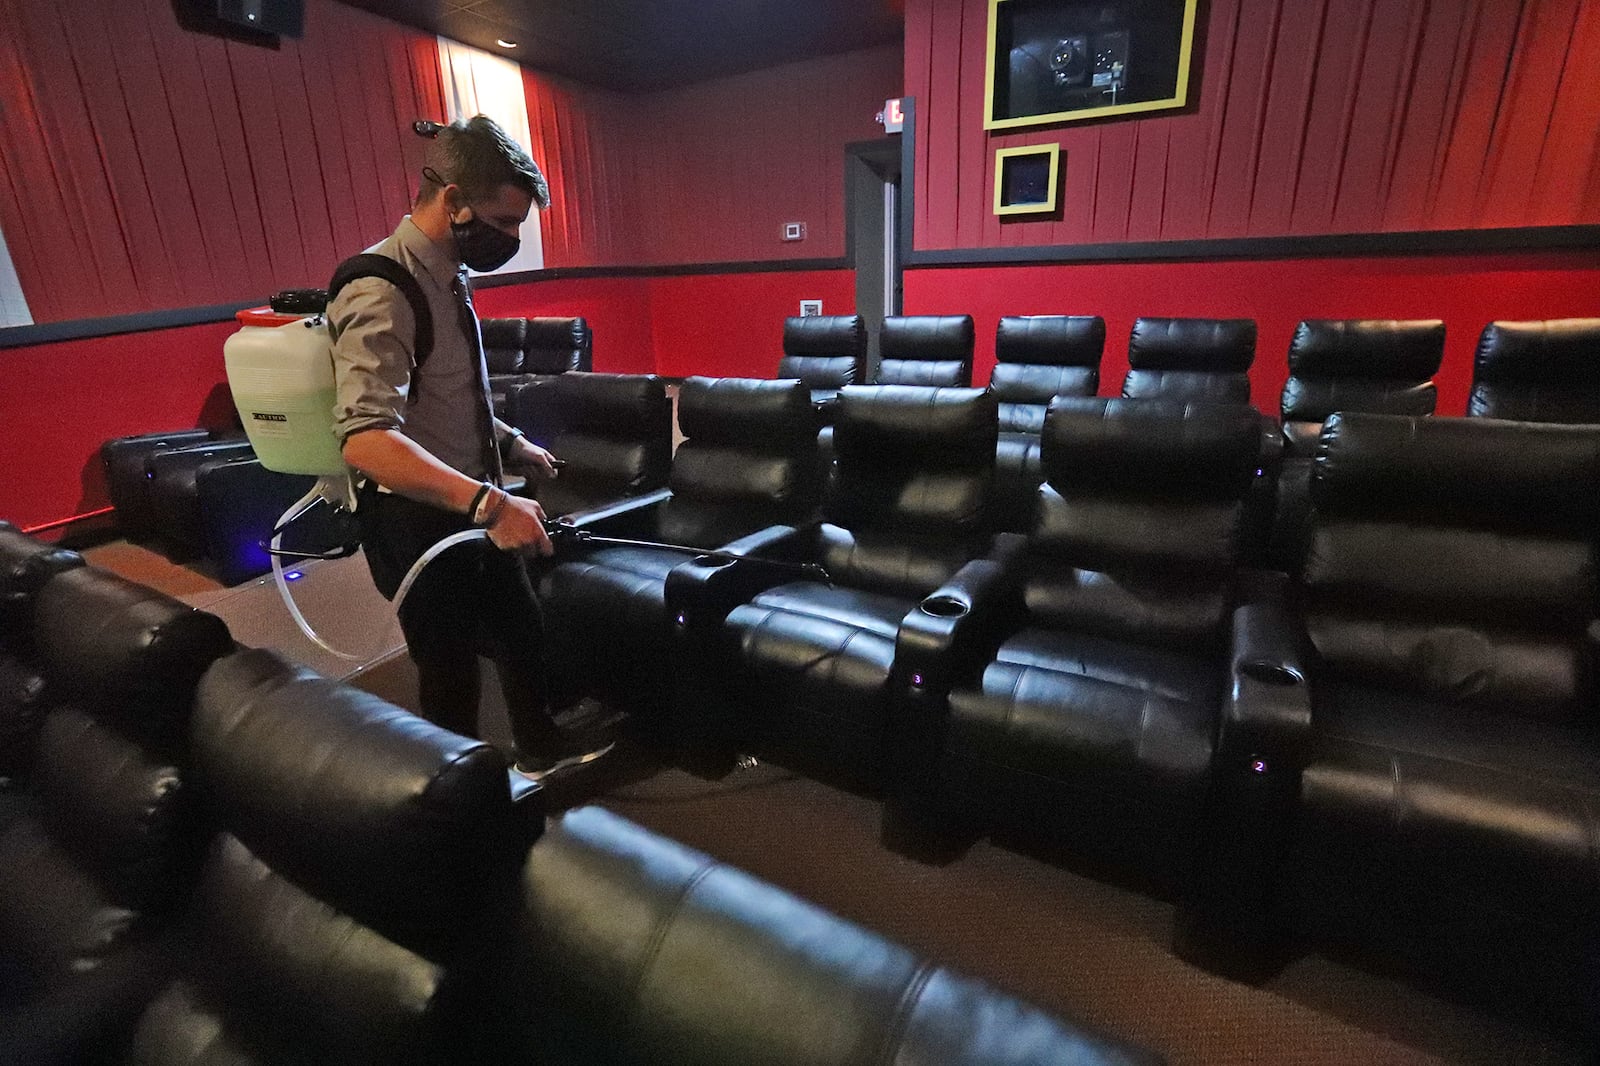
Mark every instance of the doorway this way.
pixel 872 234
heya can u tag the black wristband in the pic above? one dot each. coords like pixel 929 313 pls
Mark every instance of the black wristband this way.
pixel 477 498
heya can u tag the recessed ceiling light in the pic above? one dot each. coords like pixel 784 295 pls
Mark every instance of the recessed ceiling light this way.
pixel 503 43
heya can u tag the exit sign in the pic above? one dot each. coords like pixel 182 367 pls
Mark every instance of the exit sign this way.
pixel 894 116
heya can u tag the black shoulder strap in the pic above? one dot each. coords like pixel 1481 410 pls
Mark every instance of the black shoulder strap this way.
pixel 373 265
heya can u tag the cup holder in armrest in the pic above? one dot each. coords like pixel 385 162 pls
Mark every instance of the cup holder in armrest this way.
pixel 713 561
pixel 1271 673
pixel 944 607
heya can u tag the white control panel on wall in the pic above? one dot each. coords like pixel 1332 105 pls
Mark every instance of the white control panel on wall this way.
pixel 810 307
pixel 794 231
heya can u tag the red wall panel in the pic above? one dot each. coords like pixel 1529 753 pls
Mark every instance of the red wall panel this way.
pixel 1465 291
pixel 1309 117
pixel 617 309
pixel 731 325
pixel 60 401
pixel 714 170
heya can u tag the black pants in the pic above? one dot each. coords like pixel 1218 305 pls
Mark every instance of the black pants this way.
pixel 472 600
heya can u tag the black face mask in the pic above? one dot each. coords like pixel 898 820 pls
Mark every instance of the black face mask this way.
pixel 481 246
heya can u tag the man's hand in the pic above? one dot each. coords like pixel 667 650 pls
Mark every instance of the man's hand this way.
pixel 519 527
pixel 529 457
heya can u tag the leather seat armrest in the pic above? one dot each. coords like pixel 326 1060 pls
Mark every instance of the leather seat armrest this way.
pixel 1266 717
pixel 701 591
pixel 964 620
pixel 634 517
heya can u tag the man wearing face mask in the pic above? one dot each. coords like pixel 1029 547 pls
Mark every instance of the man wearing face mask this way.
pixel 426 440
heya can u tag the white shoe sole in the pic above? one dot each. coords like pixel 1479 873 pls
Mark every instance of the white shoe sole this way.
pixel 566 764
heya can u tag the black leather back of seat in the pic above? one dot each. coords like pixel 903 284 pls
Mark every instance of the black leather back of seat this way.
pixel 749 460
pixel 1198 359
pixel 1457 559
pixel 108 848
pixel 1140 524
pixel 1377 366
pixel 633 949
pixel 174 493
pixel 126 476
pixel 823 351
pixel 1538 371
pixel 929 350
pixel 504 341
pixel 1038 357
pixel 558 346
pixel 909 499
pixel 615 433
pixel 360 848
pixel 25 567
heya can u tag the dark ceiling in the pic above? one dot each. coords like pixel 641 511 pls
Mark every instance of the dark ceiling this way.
pixel 640 45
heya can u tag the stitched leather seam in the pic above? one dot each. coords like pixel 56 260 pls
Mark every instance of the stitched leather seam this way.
pixel 658 936
pixel 900 1021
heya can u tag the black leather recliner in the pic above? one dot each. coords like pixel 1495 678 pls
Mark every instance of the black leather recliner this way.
pixel 615 433
pixel 521 352
pixel 1037 358
pixel 1452 766
pixel 92 872
pixel 1378 366
pixel 1538 371
pixel 1076 689
pixel 806 669
pixel 749 463
pixel 930 350
pixel 824 353
pixel 354 889
pixel 1375 366
pixel 1193 359
pixel 633 949
pixel 127 476
pixel 174 491
pixel 25 566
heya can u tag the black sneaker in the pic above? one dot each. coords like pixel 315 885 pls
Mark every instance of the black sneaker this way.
pixel 537 767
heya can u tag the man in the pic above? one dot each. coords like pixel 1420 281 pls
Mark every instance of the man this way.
pixel 426 440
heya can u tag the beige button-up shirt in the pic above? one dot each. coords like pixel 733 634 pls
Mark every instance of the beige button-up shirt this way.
pixel 374 333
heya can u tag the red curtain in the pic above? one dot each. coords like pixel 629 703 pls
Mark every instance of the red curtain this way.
pixel 144 166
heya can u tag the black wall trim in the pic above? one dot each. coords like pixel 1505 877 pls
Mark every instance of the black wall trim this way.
pixel 83 328
pixel 1425 242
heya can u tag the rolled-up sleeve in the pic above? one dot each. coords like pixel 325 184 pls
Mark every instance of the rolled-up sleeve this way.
pixel 373 332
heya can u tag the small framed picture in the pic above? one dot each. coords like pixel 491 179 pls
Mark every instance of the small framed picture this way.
pixel 1026 179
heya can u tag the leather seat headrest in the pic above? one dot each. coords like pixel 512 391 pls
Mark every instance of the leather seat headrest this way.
pixel 632 406
pixel 1216 345
pixel 1368 348
pixel 1561 352
pixel 927 337
pixel 931 426
pixel 1517 475
pixel 1051 340
pixel 1193 451
pixel 25 565
pixel 824 335
pixel 368 807
pixel 748 412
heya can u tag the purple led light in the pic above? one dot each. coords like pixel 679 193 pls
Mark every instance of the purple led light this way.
pixel 682 619
pixel 293 575
pixel 916 679
pixel 1259 766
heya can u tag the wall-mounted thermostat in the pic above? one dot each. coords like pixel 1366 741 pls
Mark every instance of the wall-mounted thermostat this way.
pixel 808 308
pixel 794 231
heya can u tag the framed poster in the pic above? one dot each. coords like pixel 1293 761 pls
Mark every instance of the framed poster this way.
pixel 1026 179
pixel 1066 61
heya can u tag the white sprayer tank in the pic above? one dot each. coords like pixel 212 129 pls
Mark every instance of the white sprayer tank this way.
pixel 280 370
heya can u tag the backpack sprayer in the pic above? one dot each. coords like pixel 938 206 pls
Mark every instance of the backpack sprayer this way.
pixel 280 371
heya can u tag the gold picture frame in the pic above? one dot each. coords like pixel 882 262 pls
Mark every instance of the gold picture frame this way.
pixel 1179 97
pixel 1026 207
